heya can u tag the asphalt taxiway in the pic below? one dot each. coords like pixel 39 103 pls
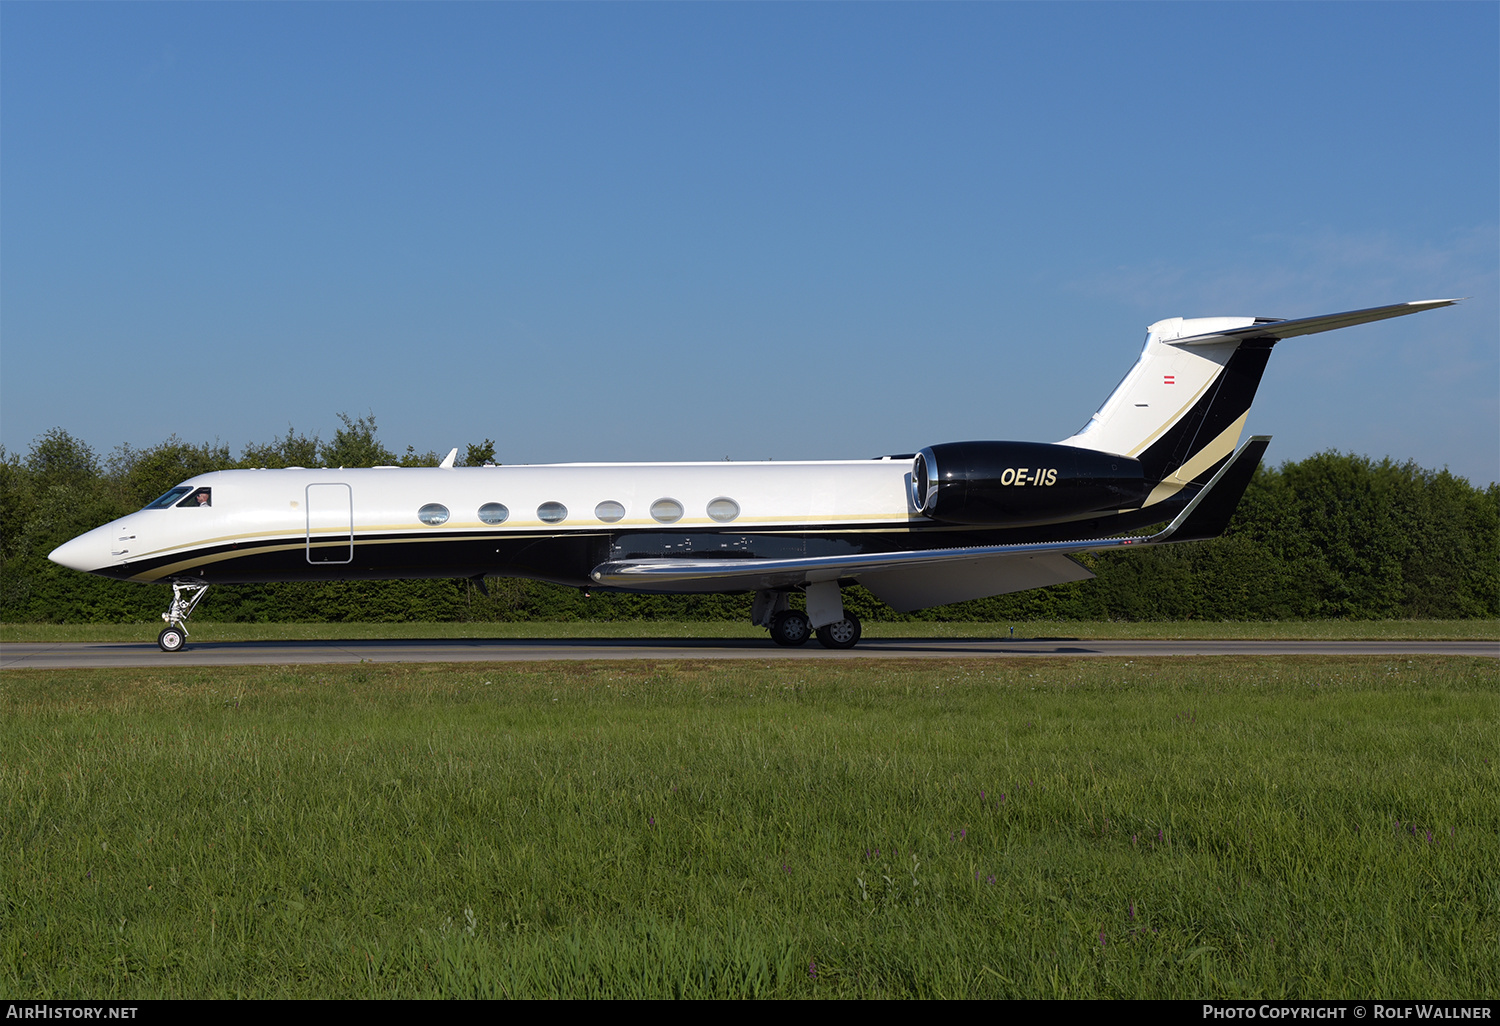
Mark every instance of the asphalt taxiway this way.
pixel 279 653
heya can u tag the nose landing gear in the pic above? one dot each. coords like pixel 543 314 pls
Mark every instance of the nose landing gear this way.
pixel 185 598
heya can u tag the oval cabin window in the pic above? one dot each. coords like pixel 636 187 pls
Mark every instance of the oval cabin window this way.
pixel 610 511
pixel 552 512
pixel 433 514
pixel 722 510
pixel 666 511
pixel 493 513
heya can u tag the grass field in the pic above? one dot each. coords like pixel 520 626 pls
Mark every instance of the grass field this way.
pixel 1317 630
pixel 1282 827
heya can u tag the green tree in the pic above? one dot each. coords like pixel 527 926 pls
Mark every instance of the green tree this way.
pixel 355 445
pixel 59 458
pixel 412 458
pixel 479 455
pixel 290 450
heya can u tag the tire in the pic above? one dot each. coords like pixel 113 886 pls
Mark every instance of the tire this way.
pixel 841 633
pixel 172 639
pixel 790 628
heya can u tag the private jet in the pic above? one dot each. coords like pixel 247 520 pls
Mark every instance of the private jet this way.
pixel 952 522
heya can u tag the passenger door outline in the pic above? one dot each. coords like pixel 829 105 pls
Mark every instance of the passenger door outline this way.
pixel 330 523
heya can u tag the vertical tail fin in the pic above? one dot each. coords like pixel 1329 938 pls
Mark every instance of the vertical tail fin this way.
pixel 1181 409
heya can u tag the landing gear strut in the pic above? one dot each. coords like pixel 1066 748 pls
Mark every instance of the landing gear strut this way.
pixel 185 599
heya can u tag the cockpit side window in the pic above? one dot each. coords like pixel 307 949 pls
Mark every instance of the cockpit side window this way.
pixel 170 498
pixel 202 497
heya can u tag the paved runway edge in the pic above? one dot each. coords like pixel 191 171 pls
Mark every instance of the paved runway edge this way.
pixel 106 655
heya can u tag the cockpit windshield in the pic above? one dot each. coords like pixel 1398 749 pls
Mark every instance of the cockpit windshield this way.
pixel 170 498
pixel 195 497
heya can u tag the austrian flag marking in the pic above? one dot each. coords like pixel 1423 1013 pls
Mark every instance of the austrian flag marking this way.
pixel 1169 379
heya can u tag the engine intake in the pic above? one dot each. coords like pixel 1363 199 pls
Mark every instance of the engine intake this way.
pixel 1021 482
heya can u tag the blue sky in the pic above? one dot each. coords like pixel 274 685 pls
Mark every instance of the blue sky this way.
pixel 676 231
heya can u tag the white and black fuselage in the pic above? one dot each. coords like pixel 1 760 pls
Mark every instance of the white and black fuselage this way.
pixel 561 522
pixel 955 521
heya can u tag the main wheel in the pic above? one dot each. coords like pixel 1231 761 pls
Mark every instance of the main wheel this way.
pixel 841 633
pixel 790 627
pixel 171 639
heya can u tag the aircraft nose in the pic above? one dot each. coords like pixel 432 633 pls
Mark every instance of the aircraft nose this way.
pixel 87 552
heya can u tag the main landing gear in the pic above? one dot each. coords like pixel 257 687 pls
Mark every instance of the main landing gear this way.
pixel 790 628
pixel 841 633
pixel 825 616
pixel 185 599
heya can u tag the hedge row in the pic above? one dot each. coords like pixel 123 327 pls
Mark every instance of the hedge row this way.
pixel 1332 536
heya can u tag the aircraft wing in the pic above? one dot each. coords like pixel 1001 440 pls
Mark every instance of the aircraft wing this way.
pixel 931 577
pixel 1278 329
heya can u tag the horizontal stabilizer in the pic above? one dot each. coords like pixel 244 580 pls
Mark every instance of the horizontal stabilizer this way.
pixel 1274 329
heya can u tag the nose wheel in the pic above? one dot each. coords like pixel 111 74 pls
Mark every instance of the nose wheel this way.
pixel 185 599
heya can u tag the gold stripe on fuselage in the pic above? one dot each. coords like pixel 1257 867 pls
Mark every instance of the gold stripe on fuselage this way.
pixel 519 526
pixel 195 562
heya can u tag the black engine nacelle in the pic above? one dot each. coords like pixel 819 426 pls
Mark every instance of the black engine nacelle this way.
pixel 1021 482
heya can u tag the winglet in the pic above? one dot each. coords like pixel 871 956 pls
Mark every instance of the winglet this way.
pixel 1208 513
pixel 447 463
